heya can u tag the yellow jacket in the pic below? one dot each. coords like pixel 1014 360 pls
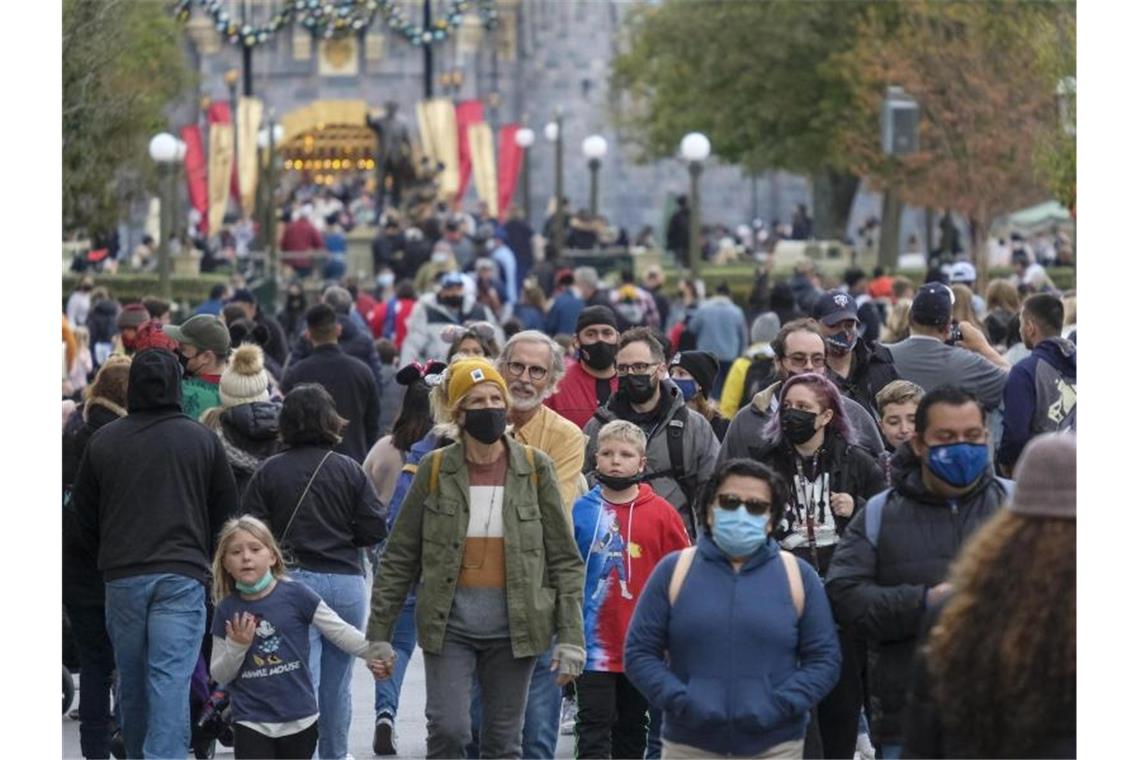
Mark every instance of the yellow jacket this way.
pixel 562 441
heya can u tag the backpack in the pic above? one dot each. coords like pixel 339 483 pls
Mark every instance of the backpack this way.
pixel 757 378
pixel 791 567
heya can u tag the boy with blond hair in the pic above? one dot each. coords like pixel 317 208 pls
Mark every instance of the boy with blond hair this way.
pixel 623 529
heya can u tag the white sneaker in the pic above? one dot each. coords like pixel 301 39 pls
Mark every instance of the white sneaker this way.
pixel 569 717
pixel 864 749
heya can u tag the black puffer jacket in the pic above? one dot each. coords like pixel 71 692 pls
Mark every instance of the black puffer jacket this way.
pixel 852 471
pixel 82 584
pixel 872 368
pixel 249 436
pixel 889 556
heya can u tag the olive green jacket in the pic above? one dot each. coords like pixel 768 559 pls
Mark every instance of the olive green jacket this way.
pixel 545 574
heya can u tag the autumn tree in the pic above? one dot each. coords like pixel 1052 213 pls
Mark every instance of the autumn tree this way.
pixel 757 77
pixel 987 99
pixel 122 66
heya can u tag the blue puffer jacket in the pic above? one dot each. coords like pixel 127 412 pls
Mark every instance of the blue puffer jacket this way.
pixel 743 673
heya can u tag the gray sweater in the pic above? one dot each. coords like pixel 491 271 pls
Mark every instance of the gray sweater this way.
pixel 930 363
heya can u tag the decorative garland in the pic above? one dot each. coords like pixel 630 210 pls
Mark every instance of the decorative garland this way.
pixel 337 18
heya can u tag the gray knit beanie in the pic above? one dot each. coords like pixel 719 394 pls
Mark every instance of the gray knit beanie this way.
pixel 1046 478
pixel 765 327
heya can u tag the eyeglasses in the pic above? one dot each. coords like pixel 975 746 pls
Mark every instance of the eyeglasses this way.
pixel 637 368
pixel 799 361
pixel 754 506
pixel 534 371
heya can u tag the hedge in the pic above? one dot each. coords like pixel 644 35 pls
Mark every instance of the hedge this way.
pixel 186 291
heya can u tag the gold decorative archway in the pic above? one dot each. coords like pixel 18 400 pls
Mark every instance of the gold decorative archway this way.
pixel 327 137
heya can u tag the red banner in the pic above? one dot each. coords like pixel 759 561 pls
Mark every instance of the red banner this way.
pixel 466 113
pixel 510 161
pixel 195 165
pixel 219 113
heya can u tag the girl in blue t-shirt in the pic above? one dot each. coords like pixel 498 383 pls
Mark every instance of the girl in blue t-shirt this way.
pixel 261 644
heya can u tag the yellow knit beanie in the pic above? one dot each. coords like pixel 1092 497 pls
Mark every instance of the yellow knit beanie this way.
pixel 464 374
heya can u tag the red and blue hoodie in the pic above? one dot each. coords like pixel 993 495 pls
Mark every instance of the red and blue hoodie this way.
pixel 620 544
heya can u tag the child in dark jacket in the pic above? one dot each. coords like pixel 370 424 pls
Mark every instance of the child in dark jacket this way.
pixel 623 529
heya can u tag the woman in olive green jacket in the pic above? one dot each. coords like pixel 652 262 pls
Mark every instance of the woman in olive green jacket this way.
pixel 483 530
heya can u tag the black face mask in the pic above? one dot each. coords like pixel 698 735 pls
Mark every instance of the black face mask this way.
pixel 453 302
pixel 797 425
pixel 485 425
pixel 184 363
pixel 617 482
pixel 599 356
pixel 637 388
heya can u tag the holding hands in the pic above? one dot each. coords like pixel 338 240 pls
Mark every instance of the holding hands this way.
pixel 381 659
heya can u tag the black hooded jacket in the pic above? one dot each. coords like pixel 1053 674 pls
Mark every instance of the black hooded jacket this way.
pixel 872 367
pixel 249 436
pixel 153 488
pixel 883 566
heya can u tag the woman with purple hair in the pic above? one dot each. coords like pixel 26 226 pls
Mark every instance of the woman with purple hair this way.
pixel 811 443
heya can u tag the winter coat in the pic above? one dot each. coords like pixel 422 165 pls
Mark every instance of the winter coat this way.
pixel 544 574
pixel 896 548
pixel 743 673
pixel 353 388
pixel 699 446
pixel 747 427
pixel 391 398
pixel 872 367
pixel 249 435
pixel 851 470
pixel 1040 397
pixel 354 341
pixel 278 346
pixel 340 512
pixel 741 384
pixel 82 584
pixel 424 341
pixel 620 544
pixel 154 487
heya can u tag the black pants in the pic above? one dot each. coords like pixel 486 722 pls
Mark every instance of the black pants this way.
pixel 96 676
pixel 612 716
pixel 253 744
pixel 838 713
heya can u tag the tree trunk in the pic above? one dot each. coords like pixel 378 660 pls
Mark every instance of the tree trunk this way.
pixel 832 193
pixel 889 230
pixel 979 245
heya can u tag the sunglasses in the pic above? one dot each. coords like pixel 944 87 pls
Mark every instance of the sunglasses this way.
pixel 732 503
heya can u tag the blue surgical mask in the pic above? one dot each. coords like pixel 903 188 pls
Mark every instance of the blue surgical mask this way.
pixel 843 342
pixel 255 588
pixel 688 387
pixel 958 464
pixel 739 533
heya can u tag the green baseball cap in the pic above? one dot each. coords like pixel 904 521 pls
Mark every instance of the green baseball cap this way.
pixel 204 332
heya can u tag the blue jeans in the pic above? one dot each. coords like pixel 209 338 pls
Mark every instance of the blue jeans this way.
pixel 890 751
pixel 330 667
pixel 653 738
pixel 156 623
pixel 404 642
pixel 543 710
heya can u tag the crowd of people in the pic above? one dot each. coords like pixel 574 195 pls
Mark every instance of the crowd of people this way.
pixel 819 523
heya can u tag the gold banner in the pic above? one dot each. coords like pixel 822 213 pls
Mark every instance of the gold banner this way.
pixel 482 145
pixel 439 135
pixel 220 171
pixel 249 120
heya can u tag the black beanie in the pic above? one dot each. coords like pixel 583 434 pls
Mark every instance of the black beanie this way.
pixel 702 365
pixel 595 315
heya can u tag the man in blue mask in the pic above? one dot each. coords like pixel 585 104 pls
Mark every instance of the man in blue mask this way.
pixel 891 564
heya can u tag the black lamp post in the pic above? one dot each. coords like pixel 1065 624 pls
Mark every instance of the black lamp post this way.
pixel 695 149
pixel 594 149
pixel 553 133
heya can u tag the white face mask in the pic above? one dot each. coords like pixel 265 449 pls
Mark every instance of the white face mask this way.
pixel 439 258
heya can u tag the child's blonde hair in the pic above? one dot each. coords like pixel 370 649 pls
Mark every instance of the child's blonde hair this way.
pixel 898 392
pixel 625 432
pixel 223 581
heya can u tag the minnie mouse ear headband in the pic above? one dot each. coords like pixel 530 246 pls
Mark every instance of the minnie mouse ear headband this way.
pixel 429 373
pixel 456 333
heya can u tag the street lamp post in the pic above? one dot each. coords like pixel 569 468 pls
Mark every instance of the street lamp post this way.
pixel 165 150
pixel 695 149
pixel 267 140
pixel 231 78
pixel 524 138
pixel 553 133
pixel 594 149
